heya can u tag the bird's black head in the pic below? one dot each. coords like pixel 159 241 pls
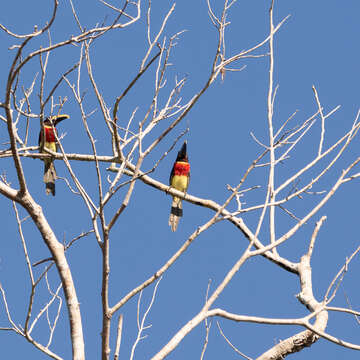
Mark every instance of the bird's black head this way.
pixel 48 122
pixel 54 120
pixel 182 154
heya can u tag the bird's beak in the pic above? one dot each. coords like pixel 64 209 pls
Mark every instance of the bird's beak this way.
pixel 183 149
pixel 57 118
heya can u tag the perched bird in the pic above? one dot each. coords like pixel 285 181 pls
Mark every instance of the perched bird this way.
pixel 179 180
pixel 47 140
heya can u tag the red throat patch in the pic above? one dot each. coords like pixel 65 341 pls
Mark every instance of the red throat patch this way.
pixel 181 168
pixel 49 134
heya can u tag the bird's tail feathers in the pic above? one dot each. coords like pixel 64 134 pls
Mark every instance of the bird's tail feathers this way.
pixel 176 213
pixel 50 177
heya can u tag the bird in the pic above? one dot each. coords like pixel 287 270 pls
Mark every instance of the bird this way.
pixel 47 139
pixel 179 180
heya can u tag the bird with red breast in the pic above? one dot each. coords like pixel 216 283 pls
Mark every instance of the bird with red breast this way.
pixel 47 139
pixel 179 180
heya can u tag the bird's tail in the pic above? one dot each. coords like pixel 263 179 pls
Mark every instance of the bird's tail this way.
pixel 49 176
pixel 176 213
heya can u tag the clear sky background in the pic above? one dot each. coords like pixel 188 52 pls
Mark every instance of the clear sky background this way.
pixel 318 45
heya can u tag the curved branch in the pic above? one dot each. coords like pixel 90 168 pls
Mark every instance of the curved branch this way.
pixel 35 33
pixel 58 253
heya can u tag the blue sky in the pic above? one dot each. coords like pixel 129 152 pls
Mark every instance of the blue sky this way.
pixel 318 45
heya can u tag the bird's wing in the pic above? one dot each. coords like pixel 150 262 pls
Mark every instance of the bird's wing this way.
pixel 41 137
pixel 172 173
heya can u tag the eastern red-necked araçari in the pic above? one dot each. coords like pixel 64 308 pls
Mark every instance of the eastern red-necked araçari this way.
pixel 179 180
pixel 47 139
